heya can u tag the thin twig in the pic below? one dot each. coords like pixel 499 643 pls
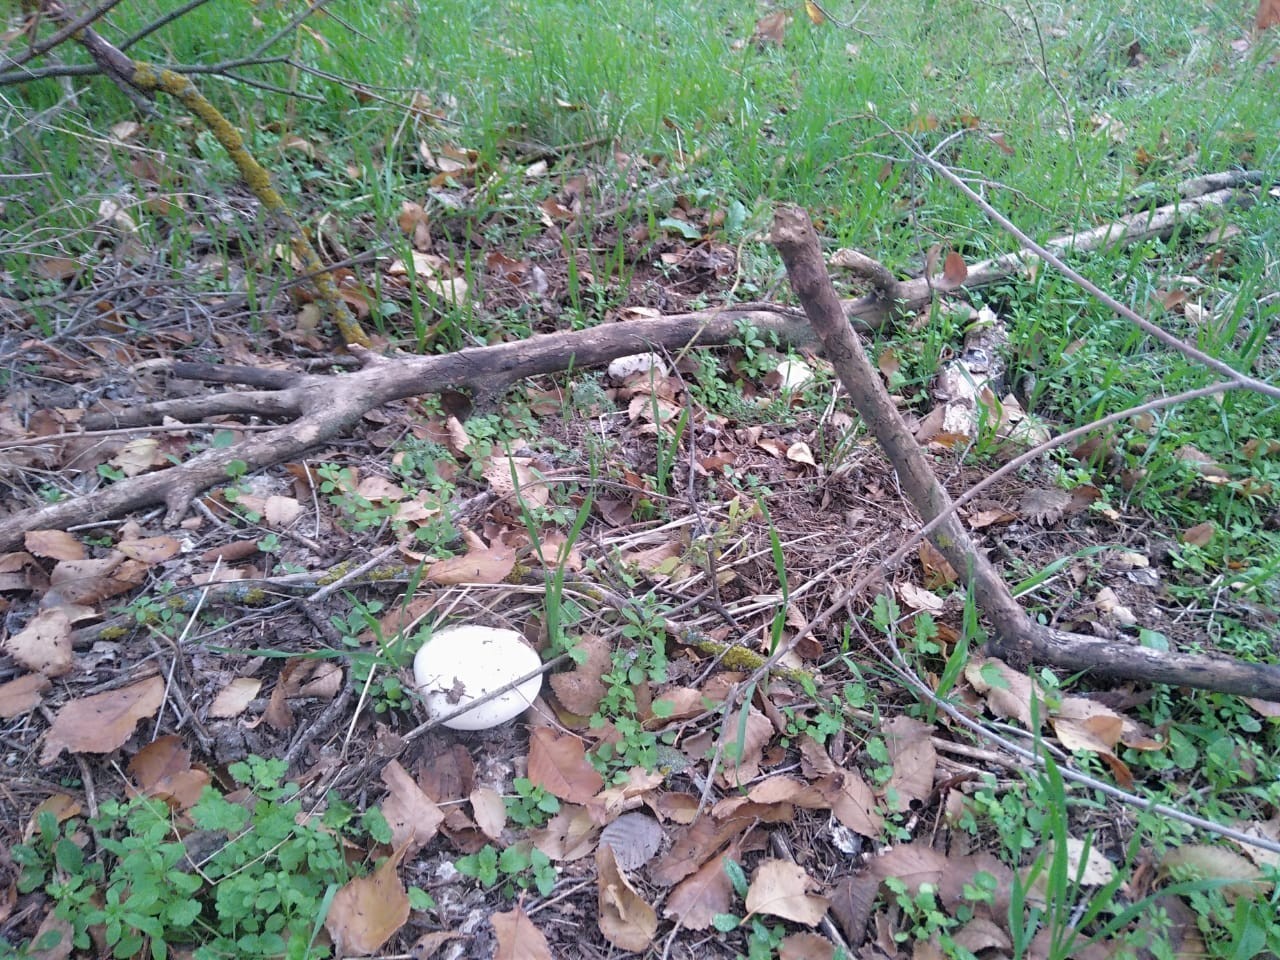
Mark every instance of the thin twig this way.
pixel 897 663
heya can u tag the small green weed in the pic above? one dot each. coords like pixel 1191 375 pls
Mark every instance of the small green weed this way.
pixel 520 866
pixel 262 892
pixel 532 805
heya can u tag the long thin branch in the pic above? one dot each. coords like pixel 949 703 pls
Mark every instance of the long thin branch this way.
pixel 68 30
pixel 1049 257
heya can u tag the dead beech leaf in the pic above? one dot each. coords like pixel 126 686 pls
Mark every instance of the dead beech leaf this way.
pixel 918 599
pixel 480 564
pixel 1200 534
pixel 581 689
pixel 163 769
pixel 938 572
pixel 626 920
pixel 806 946
pixel 889 364
pixel 232 699
pixel 103 722
pixel 1203 862
pixel 412 816
pixel 150 550
pixel 429 943
pixel 92 581
pixel 279 512
pixel 697 899
pixel 558 763
pixel 22 695
pixel 954 271
pixel 1007 691
pixel 914 760
pixel 518 938
pixel 780 888
pixel 138 456
pixel 1268 15
pixel 515 476
pixel 635 838
pixel 852 802
pixel 367 911
pixel 743 746
pixel 771 29
pixel 44 644
pixel 489 811
pixel 799 452
pixel 54 544
pixel 569 835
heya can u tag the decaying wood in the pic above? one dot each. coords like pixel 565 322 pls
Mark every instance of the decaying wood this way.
pixel 1016 637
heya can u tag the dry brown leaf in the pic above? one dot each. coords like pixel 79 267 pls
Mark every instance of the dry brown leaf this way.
pixel 103 722
pixel 280 512
pixel 806 946
pixel 697 899
pixel 138 456
pixel 914 760
pixel 814 760
pixel 852 802
pixel 743 746
pixel 232 699
pixel 44 644
pixel 163 769
pixel 425 947
pixel 54 544
pixel 912 863
pixel 694 845
pixel 481 563
pixel 954 271
pixel 799 452
pixel 558 763
pixel 569 835
pixel 489 811
pixel 412 816
pixel 518 938
pixel 150 550
pixel 680 703
pixel 788 790
pixel 1007 691
pixel 447 774
pixel 780 888
pixel 634 837
pixel 626 920
pixel 1203 862
pixel 1200 534
pixel 938 572
pixel 533 490
pixel 368 911
pixel 627 795
pixel 771 29
pixel 1268 15
pixel 22 695
pixel 90 581
pixel 581 689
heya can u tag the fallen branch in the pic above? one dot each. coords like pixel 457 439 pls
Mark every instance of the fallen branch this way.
pixel 323 407
pixel 1016 638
